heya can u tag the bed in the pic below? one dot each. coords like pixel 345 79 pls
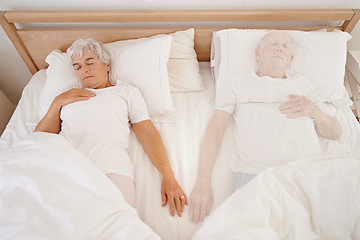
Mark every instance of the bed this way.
pixel 49 190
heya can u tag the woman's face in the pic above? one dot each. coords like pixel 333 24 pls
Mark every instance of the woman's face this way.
pixel 91 71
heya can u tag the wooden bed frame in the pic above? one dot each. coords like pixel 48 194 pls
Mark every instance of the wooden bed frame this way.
pixel 36 42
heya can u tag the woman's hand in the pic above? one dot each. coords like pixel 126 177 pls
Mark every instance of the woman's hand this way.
pixel 51 122
pixel 150 139
pixel 73 95
pixel 172 193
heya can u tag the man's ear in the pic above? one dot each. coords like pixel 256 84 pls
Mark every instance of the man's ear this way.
pixel 292 57
pixel 289 64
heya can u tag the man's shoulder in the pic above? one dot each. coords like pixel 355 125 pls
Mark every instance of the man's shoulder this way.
pixel 240 79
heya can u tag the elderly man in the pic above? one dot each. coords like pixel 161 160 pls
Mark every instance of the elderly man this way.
pixel 274 55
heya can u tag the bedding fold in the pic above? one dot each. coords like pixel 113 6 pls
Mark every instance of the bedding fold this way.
pixel 312 198
pixel 48 190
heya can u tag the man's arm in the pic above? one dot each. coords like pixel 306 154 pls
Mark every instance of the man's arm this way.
pixel 152 143
pixel 325 125
pixel 201 198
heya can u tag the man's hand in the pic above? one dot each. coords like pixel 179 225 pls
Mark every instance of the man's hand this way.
pixel 325 125
pixel 299 106
pixel 201 201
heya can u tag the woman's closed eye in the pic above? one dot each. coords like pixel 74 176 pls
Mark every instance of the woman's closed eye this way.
pixel 77 67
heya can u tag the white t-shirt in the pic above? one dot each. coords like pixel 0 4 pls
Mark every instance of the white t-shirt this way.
pixel 100 127
pixel 264 137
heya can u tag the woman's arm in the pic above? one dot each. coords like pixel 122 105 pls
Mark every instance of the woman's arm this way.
pixel 325 125
pixel 51 122
pixel 152 143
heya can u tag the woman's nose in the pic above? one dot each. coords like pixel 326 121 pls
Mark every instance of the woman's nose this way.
pixel 85 69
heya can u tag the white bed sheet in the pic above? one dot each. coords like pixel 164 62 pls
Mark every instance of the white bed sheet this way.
pixel 182 140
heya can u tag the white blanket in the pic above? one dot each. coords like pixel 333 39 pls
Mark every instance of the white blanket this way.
pixel 316 198
pixel 48 190
pixel 182 139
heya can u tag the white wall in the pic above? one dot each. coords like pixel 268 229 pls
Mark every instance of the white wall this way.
pixel 6 110
pixel 14 75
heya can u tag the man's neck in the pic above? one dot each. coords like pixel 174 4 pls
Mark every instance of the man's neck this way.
pixel 274 73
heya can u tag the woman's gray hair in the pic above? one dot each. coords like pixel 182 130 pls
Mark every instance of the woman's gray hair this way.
pixel 79 46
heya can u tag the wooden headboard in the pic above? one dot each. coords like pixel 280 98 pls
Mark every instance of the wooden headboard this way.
pixel 35 43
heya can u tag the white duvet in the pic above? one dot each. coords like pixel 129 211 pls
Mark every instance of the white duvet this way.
pixel 314 198
pixel 48 190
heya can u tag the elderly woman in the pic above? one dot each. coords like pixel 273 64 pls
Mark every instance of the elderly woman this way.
pixel 96 119
pixel 274 55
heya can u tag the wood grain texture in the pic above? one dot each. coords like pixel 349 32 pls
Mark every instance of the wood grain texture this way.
pixel 180 15
pixel 35 44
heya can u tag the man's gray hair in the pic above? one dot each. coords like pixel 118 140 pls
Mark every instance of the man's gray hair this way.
pixel 79 46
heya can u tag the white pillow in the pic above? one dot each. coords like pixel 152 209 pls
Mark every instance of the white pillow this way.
pixel 319 55
pixel 60 78
pixel 142 63
pixel 183 70
pixel 182 66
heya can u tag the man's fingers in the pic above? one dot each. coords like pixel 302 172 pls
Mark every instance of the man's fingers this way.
pixel 292 110
pixel 208 211
pixel 288 104
pixel 196 213
pixel 203 211
pixel 296 115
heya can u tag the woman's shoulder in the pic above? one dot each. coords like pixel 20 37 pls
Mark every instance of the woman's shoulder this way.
pixel 126 90
pixel 120 85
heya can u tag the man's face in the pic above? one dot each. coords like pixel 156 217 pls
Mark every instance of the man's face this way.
pixel 275 51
